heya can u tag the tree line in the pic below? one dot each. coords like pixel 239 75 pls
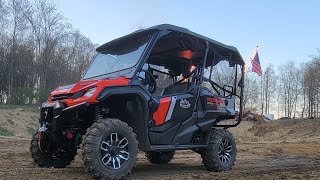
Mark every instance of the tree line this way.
pixel 290 90
pixel 39 50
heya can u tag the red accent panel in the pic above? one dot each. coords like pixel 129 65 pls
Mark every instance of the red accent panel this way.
pixel 160 115
pixel 218 101
pixel 87 84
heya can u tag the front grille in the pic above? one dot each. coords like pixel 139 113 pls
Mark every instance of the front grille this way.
pixel 61 97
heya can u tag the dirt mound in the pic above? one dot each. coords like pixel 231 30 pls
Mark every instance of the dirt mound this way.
pixel 18 121
pixel 253 117
pixel 288 130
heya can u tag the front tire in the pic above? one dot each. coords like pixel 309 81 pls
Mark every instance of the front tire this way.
pixel 109 149
pixel 159 157
pixel 62 159
pixel 220 154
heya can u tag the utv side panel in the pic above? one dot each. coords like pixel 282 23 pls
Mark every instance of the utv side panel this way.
pixel 164 135
pixel 171 113
pixel 175 108
pixel 186 130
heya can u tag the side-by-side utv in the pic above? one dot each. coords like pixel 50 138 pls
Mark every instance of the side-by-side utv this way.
pixel 145 91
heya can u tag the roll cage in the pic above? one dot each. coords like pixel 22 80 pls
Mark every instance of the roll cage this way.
pixel 169 42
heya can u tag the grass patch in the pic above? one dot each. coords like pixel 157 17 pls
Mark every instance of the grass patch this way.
pixel 36 118
pixel 10 121
pixel 29 108
pixel 5 132
pixel 34 123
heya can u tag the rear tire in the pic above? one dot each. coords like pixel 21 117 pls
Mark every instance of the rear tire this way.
pixel 220 154
pixel 44 160
pixel 160 157
pixel 109 149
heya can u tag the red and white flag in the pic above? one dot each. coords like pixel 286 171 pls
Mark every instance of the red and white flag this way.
pixel 254 62
pixel 256 67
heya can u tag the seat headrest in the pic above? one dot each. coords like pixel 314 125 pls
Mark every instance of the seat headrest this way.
pixel 187 69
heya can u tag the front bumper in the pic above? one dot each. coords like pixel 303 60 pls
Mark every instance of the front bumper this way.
pixel 51 114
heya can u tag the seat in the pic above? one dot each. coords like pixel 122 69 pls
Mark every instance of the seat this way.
pixel 176 88
pixel 180 87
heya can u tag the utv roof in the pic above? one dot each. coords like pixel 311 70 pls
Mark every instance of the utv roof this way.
pixel 224 51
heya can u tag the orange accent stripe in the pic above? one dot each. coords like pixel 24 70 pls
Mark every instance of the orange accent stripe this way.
pixel 160 115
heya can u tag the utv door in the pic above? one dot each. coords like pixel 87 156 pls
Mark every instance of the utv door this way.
pixel 171 114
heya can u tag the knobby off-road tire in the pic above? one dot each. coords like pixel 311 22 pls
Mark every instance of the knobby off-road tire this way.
pixel 220 154
pixel 160 157
pixel 110 149
pixel 45 160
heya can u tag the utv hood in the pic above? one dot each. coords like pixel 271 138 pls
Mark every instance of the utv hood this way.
pixel 88 84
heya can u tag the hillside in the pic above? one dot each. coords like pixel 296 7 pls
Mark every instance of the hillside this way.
pixel 18 121
pixel 286 130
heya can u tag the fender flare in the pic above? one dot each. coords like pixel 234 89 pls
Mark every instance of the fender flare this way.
pixel 119 90
pixel 108 92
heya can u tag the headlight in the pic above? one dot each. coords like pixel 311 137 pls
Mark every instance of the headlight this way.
pixel 58 104
pixel 90 92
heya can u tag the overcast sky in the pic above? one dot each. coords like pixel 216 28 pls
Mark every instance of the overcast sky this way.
pixel 284 30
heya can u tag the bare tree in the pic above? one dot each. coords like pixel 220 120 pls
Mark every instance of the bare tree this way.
pixel 312 86
pixel 289 86
pixel 36 44
pixel 17 11
pixel 48 28
pixel 251 100
pixel 3 16
pixel 269 86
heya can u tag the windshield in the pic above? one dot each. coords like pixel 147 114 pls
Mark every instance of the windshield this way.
pixel 119 58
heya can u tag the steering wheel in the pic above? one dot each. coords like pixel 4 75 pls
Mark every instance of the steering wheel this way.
pixel 149 80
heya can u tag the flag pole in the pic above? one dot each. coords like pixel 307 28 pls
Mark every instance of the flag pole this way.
pixel 261 82
pixel 253 57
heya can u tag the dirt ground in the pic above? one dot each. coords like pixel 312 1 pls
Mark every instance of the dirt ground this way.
pixel 283 149
pixel 255 161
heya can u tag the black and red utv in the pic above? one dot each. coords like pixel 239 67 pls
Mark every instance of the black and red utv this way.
pixel 154 90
